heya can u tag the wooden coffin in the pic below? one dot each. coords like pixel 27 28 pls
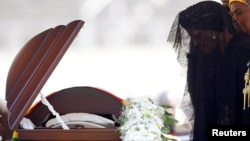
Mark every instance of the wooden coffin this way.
pixel 29 72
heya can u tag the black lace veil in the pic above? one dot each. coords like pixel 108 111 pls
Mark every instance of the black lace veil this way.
pixel 208 16
pixel 205 15
pixel 180 39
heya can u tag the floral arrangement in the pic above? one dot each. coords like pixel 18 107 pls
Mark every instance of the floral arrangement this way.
pixel 143 120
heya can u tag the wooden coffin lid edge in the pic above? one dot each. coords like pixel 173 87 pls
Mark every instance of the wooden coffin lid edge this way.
pixel 33 66
pixel 88 99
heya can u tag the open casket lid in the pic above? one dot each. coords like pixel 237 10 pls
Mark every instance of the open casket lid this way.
pixel 33 65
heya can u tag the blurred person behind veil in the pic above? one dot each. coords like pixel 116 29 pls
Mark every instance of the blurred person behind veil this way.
pixel 201 35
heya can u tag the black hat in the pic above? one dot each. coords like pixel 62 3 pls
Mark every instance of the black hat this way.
pixel 205 15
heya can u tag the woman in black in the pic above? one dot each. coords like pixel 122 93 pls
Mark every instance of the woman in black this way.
pixel 204 38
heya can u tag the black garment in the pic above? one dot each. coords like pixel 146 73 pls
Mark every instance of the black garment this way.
pixel 215 83
pixel 203 80
pixel 215 67
pixel 237 56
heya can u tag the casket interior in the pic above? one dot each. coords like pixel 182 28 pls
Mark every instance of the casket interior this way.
pixel 78 100
pixel 28 73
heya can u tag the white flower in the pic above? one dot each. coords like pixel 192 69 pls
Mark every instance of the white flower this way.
pixel 141 120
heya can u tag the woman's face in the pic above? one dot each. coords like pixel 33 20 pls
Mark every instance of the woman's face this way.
pixel 209 39
pixel 203 39
pixel 241 14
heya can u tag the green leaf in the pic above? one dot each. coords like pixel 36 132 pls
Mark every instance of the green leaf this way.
pixel 165 130
pixel 164 138
pixel 166 106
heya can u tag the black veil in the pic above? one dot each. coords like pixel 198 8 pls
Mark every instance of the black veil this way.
pixel 203 67
pixel 205 15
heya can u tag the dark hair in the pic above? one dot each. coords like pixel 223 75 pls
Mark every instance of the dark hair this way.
pixel 205 15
